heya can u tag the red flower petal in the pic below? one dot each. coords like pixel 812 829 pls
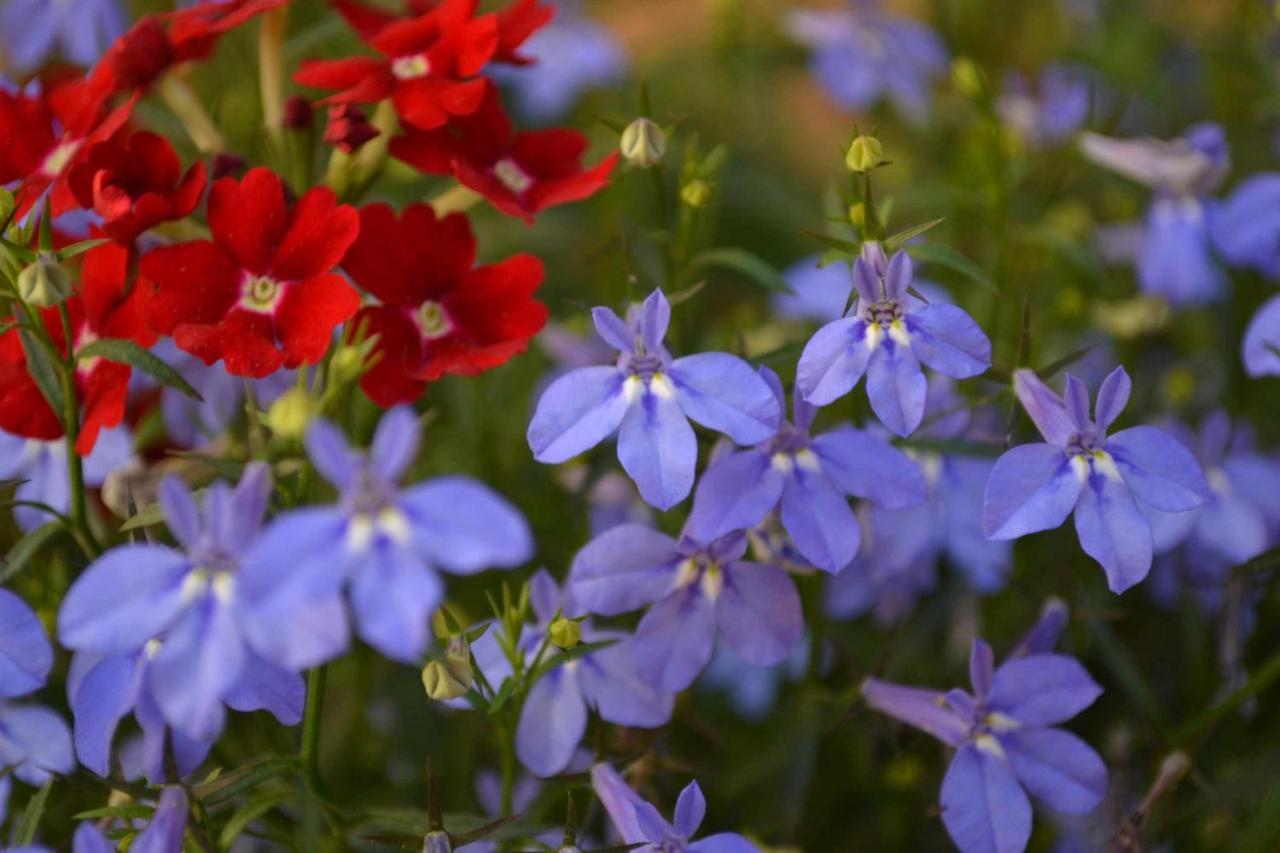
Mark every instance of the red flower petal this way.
pixel 23 409
pixel 244 340
pixel 407 262
pixel 319 234
pixel 248 218
pixel 388 382
pixel 103 396
pixel 360 79
pixel 195 283
pixel 309 312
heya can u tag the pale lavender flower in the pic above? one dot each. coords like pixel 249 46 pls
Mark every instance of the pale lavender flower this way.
pixel 819 293
pixel 1006 738
pixel 648 398
pixel 694 589
pixel 42 468
pixel 1048 112
pixel 79 30
pixel 1101 478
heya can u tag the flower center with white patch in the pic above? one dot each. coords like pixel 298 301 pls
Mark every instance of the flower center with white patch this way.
pixel 511 175
pixel 884 313
pixel 57 159
pixel 411 67
pixel 365 527
pixel 433 321
pixel 260 293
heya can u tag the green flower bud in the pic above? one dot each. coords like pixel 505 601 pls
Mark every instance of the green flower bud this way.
pixel 864 154
pixel 45 282
pixel 696 193
pixel 967 77
pixel 565 633
pixel 440 683
pixel 291 413
pixel 643 143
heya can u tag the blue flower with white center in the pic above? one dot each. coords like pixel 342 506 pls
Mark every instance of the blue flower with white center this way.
pixel 648 398
pixel 1099 477
pixel 41 466
pixel 381 545
pixel 887 338
pixel 80 30
pixel 808 478
pixel 1049 112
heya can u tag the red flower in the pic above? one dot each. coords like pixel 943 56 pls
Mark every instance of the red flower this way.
pixel 42 137
pixel 261 294
pixel 438 314
pixel 156 43
pixel 426 65
pixel 347 128
pixel 515 23
pixel 520 172
pixel 134 183
pixel 108 306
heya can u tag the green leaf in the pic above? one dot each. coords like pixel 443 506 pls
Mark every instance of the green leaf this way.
pixel 245 779
pixel 147 516
pixel 30 821
pixel 256 806
pixel 79 248
pixel 745 264
pixel 945 256
pixel 43 370
pixel 127 352
pixel 21 554
pixel 847 247
pixel 504 693
pixel 897 241
pixel 128 811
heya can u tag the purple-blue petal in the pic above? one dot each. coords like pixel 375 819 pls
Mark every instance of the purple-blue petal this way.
pixel 1058 768
pixel 576 412
pixel 983 807
pixel 1261 347
pixel 1032 487
pixel 867 466
pixel 623 569
pixel 126 597
pixel 1042 690
pixel 164 833
pixel 896 387
pixel 819 520
pixel 463 526
pixel 392 595
pixel 1044 407
pixel 1114 531
pixel 1158 469
pixel 552 723
pixel 674 640
pixel 107 692
pixel 395 444
pixel 833 361
pixel 735 493
pixel 657 448
pixel 926 710
pixel 947 339
pixel 202 658
pixel 25 653
pixel 758 611
pixel 691 808
pixel 724 393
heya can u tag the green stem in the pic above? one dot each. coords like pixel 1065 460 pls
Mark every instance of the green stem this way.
pixel 71 430
pixel 1200 728
pixel 309 752
pixel 507 741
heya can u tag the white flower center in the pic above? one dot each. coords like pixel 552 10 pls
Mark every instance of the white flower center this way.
pixel 411 67
pixel 511 175
pixel 433 321
pixel 260 293
pixel 57 159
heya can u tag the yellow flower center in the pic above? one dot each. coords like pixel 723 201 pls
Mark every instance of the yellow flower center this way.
pixel 411 67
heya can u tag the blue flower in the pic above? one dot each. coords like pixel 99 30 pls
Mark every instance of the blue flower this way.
pixel 809 479
pixel 1006 738
pixel 80 30
pixel 887 338
pixel 694 588
pixel 554 717
pixel 819 292
pixel 382 544
pixel 648 398
pixel 178 627
pixel 1246 225
pixel 861 55
pixel 1261 346
pixel 1051 111
pixel 1101 478
pixel 42 468
pixel 638 822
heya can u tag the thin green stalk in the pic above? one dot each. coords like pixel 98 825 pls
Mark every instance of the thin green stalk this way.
pixel 507 742
pixel 1201 727
pixel 309 751
pixel 71 430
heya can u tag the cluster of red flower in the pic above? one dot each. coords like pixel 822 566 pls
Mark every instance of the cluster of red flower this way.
pixel 263 292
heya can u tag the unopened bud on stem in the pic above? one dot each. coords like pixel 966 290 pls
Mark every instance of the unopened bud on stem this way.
pixel 643 143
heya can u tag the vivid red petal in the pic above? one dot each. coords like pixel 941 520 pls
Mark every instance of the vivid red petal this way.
pixel 427 151
pixel 360 78
pixel 483 182
pixel 398 351
pixel 248 217
pixel 515 24
pixel 319 234
pixel 308 314
pixel 575 187
pixel 195 282
pixel 103 395
pixel 366 21
pixel 244 340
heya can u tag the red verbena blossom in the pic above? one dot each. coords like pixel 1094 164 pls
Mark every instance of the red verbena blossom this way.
pixel 427 65
pixel 157 43
pixel 262 293
pixel 134 182
pixel 516 23
pixel 520 172
pixel 438 314
pixel 108 305
pixel 43 135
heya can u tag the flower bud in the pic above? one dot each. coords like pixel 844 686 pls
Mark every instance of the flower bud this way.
pixel 298 113
pixel 440 683
pixel 864 154
pixel 858 215
pixel 873 253
pixel 643 143
pixel 565 633
pixel 45 282
pixel 291 413
pixel 967 77
pixel 696 193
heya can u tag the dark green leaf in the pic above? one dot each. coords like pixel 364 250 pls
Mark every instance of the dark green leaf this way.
pixel 30 821
pixel 945 256
pixel 745 264
pixel 20 555
pixel 128 811
pixel 79 248
pixel 43 370
pixel 254 808
pixel 147 516
pixel 500 698
pixel 127 352
pixel 896 241
pixel 848 247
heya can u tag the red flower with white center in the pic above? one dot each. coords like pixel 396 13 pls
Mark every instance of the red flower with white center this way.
pixel 516 23
pixel 262 293
pixel 157 43
pixel 109 306
pixel 438 314
pixel 520 172
pixel 427 65
pixel 43 136
pixel 135 182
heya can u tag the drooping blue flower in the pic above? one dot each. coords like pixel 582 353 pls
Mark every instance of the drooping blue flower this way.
pixel 648 398
pixel 34 741
pixel 809 479
pixel 694 588
pixel 1006 738
pixel 42 468
pixel 1174 258
pixel 79 30
pixel 554 717
pixel 183 623
pixel 1049 112
pixel 382 545
pixel 862 55
pixel 1246 225
pixel 638 822
pixel 1101 478
pixel 887 338
pixel 165 830
pixel 572 55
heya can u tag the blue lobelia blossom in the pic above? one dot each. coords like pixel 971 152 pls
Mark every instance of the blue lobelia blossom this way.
pixel 888 336
pixel 1174 259
pixel 894 568
pixel 164 832
pixel 554 717
pixel 385 545
pixel 861 55
pixel 42 468
pixel 572 55
pixel 172 631
pixel 1246 225
pixel 648 398
pixel 819 292
pixel 1261 347
pixel 1101 478
pixel 638 822
pixel 80 30
pixel 1051 111
pixel 1006 738
pixel 693 587
pixel 34 741
pixel 808 478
